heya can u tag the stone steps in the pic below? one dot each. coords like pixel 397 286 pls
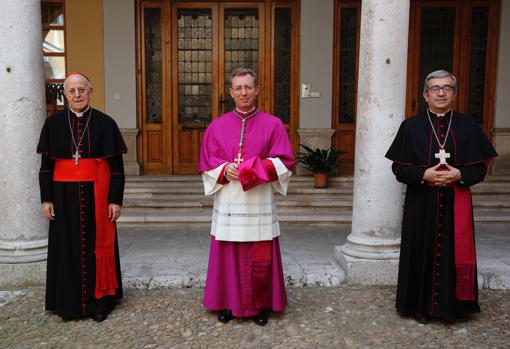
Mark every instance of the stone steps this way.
pixel 180 199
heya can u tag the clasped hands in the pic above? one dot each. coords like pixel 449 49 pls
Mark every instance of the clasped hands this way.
pixel 49 211
pixel 442 177
pixel 232 171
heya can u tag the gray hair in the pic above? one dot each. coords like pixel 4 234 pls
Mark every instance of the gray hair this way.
pixel 437 75
pixel 242 72
pixel 89 83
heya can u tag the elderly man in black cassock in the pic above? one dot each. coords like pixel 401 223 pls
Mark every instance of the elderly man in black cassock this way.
pixel 82 184
pixel 439 154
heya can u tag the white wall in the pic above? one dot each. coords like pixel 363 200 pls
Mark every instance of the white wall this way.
pixel 317 61
pixel 502 117
pixel 120 61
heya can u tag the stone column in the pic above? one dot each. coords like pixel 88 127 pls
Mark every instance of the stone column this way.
pixel 23 230
pixel 371 253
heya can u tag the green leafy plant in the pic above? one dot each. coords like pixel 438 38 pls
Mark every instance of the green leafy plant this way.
pixel 319 160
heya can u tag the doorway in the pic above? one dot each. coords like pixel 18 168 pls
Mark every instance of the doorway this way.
pixel 186 53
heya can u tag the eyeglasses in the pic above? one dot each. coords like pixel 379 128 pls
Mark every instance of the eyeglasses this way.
pixel 239 89
pixel 445 88
pixel 78 91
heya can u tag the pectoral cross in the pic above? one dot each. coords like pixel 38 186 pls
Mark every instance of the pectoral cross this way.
pixel 76 157
pixel 239 158
pixel 442 156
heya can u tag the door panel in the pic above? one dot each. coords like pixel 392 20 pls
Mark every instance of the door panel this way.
pixel 283 53
pixel 152 109
pixel 433 45
pixel 195 75
pixel 345 72
pixel 154 146
pixel 241 35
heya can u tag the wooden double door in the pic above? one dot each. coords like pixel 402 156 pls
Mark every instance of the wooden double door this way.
pixel 186 53
pixel 458 36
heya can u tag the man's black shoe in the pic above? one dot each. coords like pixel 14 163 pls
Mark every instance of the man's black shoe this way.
pixel 422 319
pixel 262 317
pixel 225 316
pixel 99 317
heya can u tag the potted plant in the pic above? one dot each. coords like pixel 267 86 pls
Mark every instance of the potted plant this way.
pixel 322 162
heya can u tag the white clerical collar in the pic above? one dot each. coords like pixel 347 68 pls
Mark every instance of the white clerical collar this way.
pixel 440 115
pixel 79 114
pixel 246 112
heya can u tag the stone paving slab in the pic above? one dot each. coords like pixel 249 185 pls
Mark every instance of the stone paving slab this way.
pixel 316 317
pixel 177 254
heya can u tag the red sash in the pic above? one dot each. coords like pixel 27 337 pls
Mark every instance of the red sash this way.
pixel 261 272
pixel 97 171
pixel 464 243
pixel 465 255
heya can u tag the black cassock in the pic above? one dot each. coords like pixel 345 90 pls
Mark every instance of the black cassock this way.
pixel 427 274
pixel 71 271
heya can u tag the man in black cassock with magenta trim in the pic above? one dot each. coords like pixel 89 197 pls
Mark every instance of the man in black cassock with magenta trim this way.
pixel 439 154
pixel 82 185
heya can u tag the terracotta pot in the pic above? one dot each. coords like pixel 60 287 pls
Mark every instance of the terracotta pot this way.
pixel 321 180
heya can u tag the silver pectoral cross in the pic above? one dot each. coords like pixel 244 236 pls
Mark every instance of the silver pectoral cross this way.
pixel 76 157
pixel 442 156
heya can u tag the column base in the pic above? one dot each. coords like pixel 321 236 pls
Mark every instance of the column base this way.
pixel 501 141
pixel 366 271
pixel 131 165
pixel 22 274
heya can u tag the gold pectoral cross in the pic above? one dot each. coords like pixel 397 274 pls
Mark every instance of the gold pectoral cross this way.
pixel 239 158
pixel 76 157
pixel 442 156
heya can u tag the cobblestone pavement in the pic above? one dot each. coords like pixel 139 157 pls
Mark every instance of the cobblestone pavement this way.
pixel 324 317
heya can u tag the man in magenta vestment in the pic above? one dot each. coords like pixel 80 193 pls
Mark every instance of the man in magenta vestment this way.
pixel 245 155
